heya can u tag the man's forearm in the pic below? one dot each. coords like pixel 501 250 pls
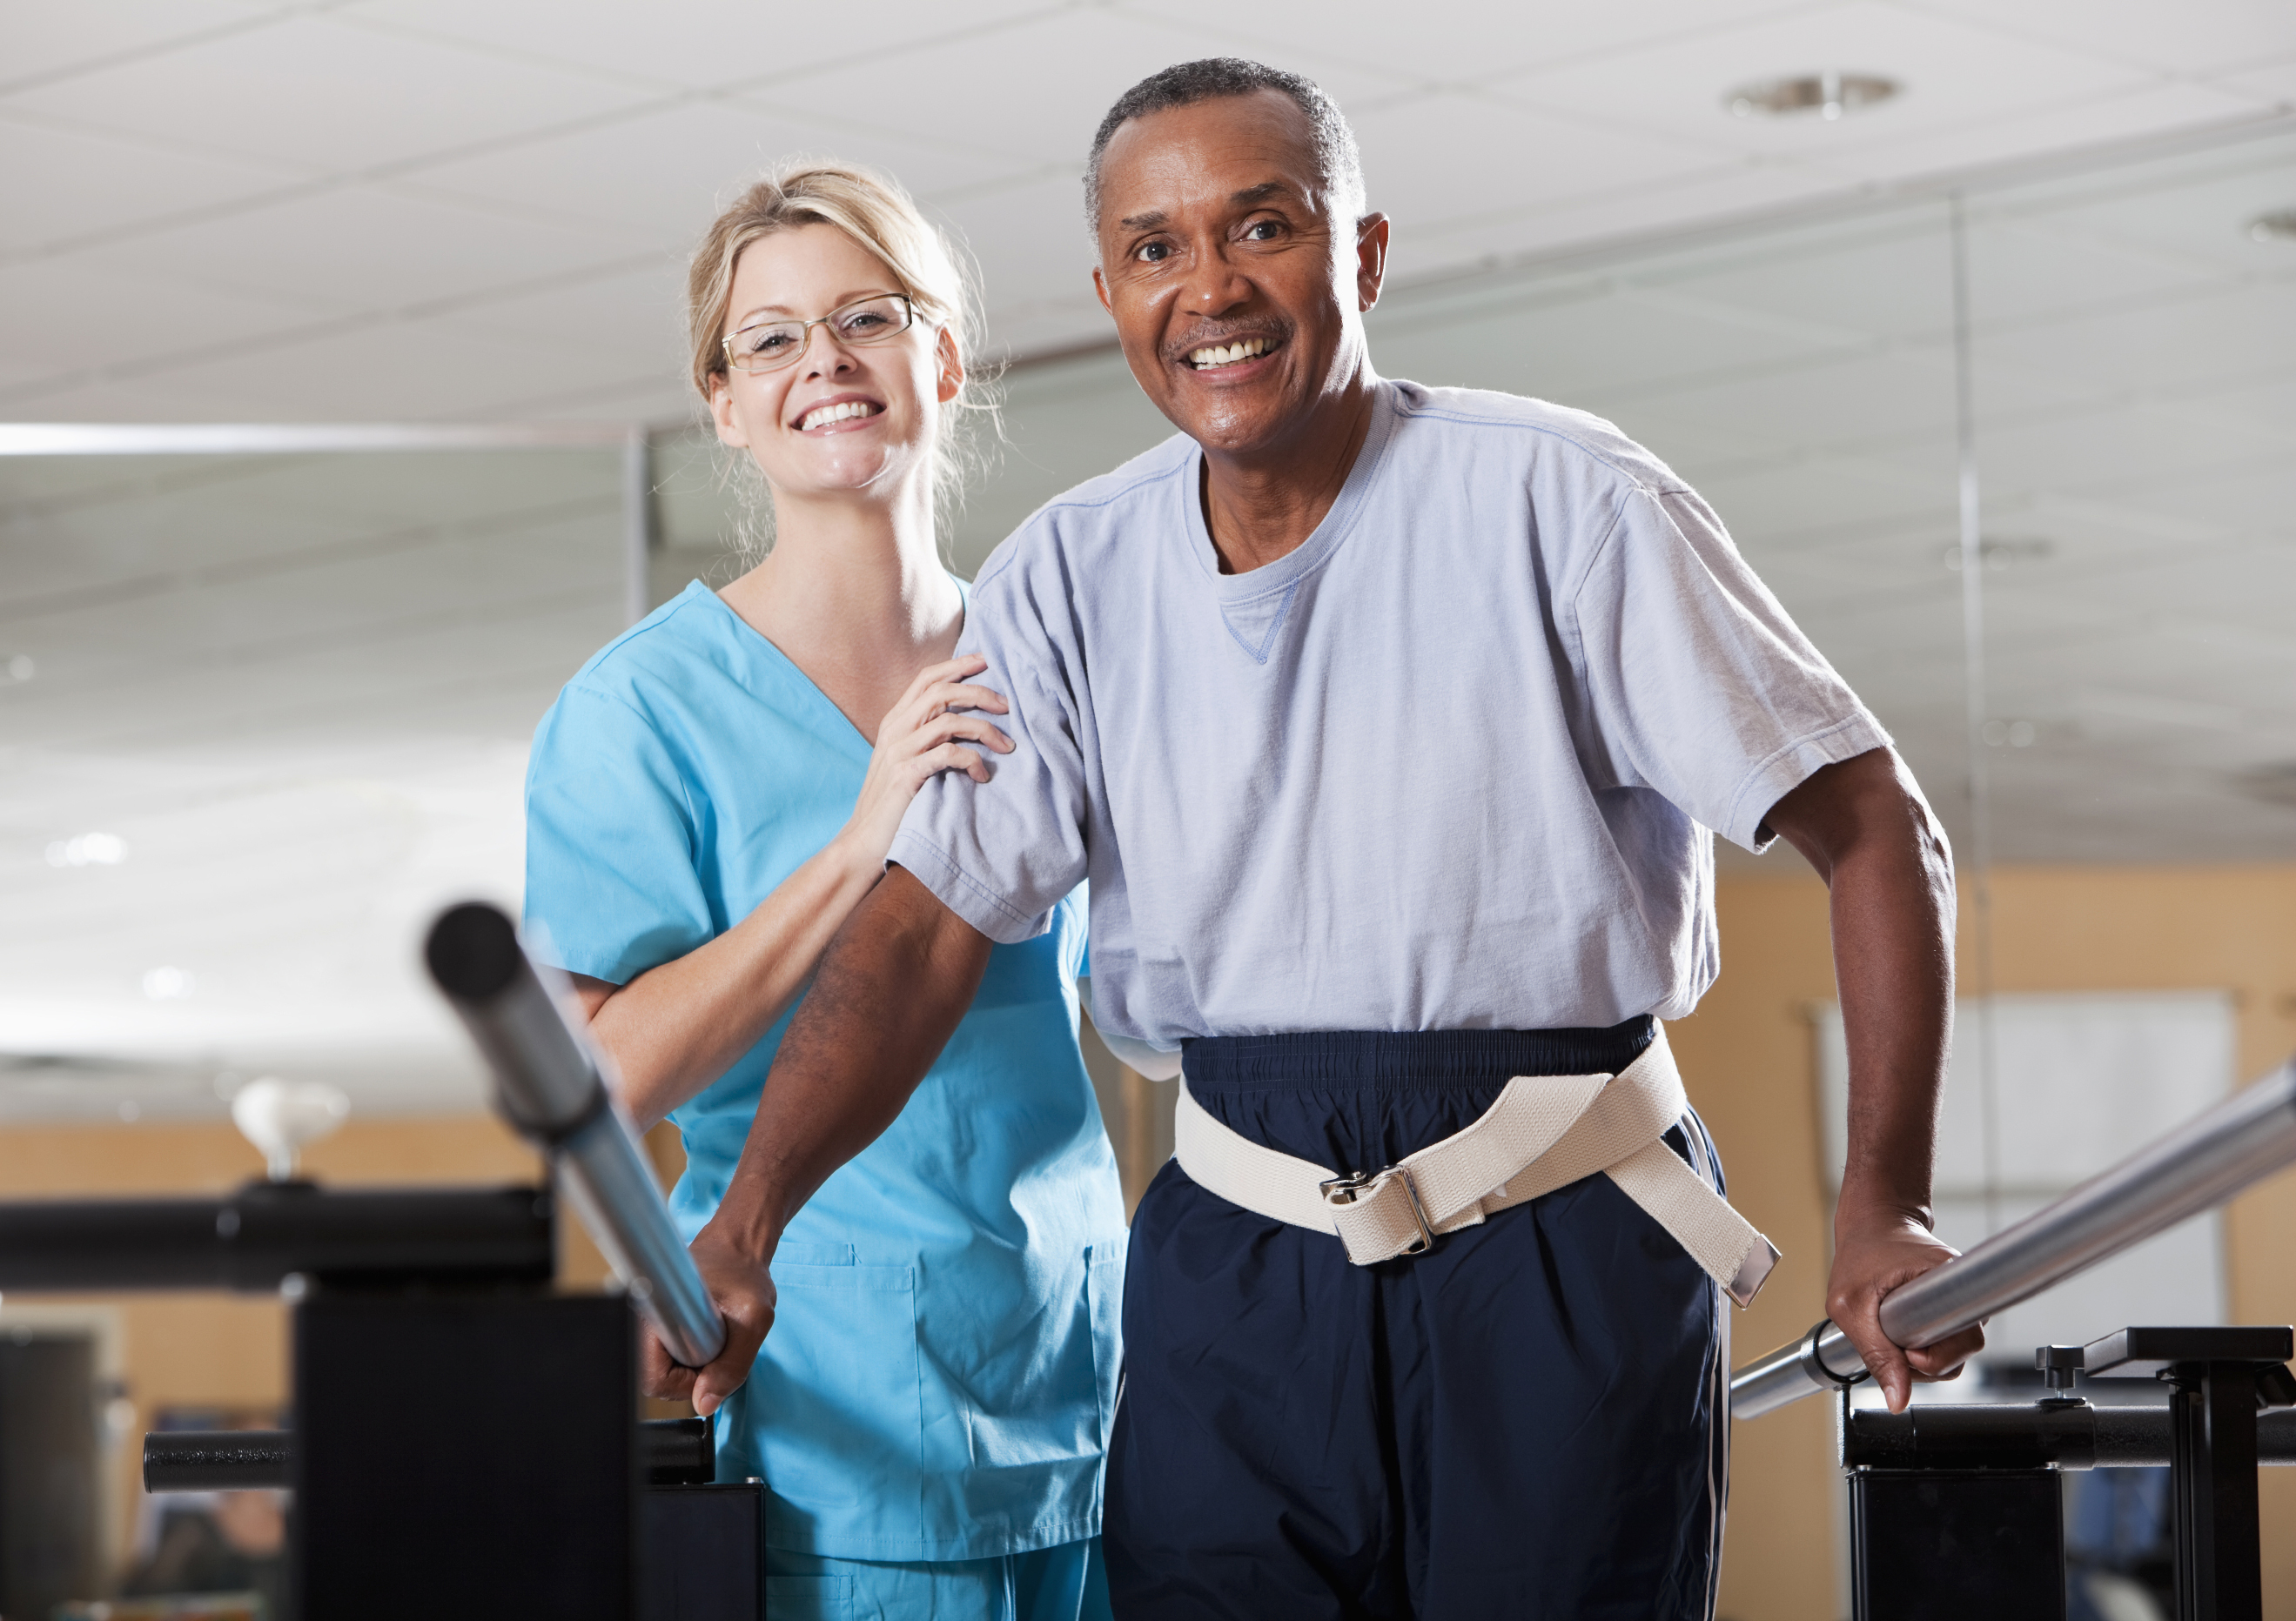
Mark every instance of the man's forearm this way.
pixel 1892 904
pixel 892 989
pixel 1864 825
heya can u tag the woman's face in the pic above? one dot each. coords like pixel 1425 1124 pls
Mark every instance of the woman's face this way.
pixel 777 416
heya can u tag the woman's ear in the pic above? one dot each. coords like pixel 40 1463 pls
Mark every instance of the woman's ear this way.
pixel 952 367
pixel 721 412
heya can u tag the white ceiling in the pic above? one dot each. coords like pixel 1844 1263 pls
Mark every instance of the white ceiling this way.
pixel 226 210
pixel 297 690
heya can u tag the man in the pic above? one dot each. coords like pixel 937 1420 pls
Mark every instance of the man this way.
pixel 1388 724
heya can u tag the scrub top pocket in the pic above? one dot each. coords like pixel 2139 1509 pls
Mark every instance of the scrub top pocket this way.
pixel 834 1403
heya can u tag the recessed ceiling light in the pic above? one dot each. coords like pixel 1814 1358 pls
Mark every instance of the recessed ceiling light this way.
pixel 1828 94
pixel 2277 227
pixel 167 984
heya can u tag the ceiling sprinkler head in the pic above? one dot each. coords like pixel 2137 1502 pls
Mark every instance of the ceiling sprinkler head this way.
pixel 1828 94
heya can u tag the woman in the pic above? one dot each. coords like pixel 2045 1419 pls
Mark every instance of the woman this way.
pixel 705 807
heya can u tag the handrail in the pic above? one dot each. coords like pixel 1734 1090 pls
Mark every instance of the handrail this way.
pixel 548 1086
pixel 2199 1166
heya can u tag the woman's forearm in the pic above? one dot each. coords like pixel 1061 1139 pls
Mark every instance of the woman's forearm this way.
pixel 674 1030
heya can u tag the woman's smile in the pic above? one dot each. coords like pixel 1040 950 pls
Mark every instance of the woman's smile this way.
pixel 842 413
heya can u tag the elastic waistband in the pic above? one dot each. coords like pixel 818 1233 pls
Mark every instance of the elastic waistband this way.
pixel 1328 1059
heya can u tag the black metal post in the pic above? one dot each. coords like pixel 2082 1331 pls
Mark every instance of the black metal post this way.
pixel 2212 1417
pixel 2219 1378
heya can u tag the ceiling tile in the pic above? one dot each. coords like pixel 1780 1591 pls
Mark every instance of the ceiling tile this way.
pixel 2270 81
pixel 2189 212
pixel 2042 269
pixel 2129 447
pixel 38 42
pixel 2211 35
pixel 1449 41
pixel 2165 343
pixel 1952 72
pixel 1986 138
pixel 1712 191
pixel 61 186
pixel 123 397
pixel 660 178
pixel 1613 341
pixel 67 317
pixel 627 325
pixel 1035 92
pixel 1035 262
pixel 324 96
pixel 410 371
pixel 372 248
pixel 1443 159
pixel 688 44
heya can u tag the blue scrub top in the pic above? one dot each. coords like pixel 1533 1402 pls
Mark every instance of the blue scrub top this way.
pixel 941 1373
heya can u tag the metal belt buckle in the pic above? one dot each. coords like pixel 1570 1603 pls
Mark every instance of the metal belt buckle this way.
pixel 1361 1184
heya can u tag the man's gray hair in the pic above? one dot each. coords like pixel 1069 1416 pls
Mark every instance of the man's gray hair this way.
pixel 1338 165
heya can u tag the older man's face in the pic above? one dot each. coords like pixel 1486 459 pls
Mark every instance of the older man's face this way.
pixel 1238 296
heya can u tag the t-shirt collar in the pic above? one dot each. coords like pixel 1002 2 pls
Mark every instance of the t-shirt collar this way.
pixel 1328 535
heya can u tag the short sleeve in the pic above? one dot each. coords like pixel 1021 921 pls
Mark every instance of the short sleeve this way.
pixel 1000 853
pixel 610 885
pixel 1697 684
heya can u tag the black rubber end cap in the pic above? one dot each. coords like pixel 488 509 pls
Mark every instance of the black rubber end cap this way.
pixel 474 952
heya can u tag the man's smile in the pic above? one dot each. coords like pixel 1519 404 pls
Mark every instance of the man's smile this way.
pixel 1214 357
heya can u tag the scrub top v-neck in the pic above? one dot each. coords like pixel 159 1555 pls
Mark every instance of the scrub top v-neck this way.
pixel 941 1372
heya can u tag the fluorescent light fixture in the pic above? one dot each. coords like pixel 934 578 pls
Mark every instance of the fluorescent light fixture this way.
pixel 1828 94
pixel 88 850
pixel 288 438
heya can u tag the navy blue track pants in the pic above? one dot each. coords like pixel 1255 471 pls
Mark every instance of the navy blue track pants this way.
pixel 1524 1422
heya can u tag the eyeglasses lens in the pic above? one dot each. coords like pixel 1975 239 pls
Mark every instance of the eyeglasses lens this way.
pixel 772 345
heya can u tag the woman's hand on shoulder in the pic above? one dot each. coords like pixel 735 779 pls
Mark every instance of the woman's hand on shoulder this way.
pixel 928 732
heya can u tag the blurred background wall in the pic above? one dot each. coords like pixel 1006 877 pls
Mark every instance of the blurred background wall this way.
pixel 266 690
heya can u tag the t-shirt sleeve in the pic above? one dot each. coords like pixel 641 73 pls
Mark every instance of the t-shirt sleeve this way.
pixel 1000 853
pixel 610 885
pixel 1697 684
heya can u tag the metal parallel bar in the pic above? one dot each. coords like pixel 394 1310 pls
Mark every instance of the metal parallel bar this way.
pixel 2029 1435
pixel 671 1451
pixel 549 1085
pixel 216 1460
pixel 255 1238
pixel 2195 1168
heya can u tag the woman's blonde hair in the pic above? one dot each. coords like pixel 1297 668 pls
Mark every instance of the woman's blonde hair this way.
pixel 873 210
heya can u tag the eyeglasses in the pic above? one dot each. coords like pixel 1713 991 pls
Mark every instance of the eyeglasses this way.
pixel 771 345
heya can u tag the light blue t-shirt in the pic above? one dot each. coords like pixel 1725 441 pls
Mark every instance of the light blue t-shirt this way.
pixel 1449 764
pixel 941 1373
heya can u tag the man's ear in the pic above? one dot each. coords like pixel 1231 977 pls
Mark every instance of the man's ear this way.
pixel 1100 286
pixel 1371 259
pixel 952 367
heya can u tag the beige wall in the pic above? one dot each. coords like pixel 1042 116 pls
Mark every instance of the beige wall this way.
pixel 1749 1058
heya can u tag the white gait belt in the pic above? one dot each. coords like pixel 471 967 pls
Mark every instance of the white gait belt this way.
pixel 1546 1131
